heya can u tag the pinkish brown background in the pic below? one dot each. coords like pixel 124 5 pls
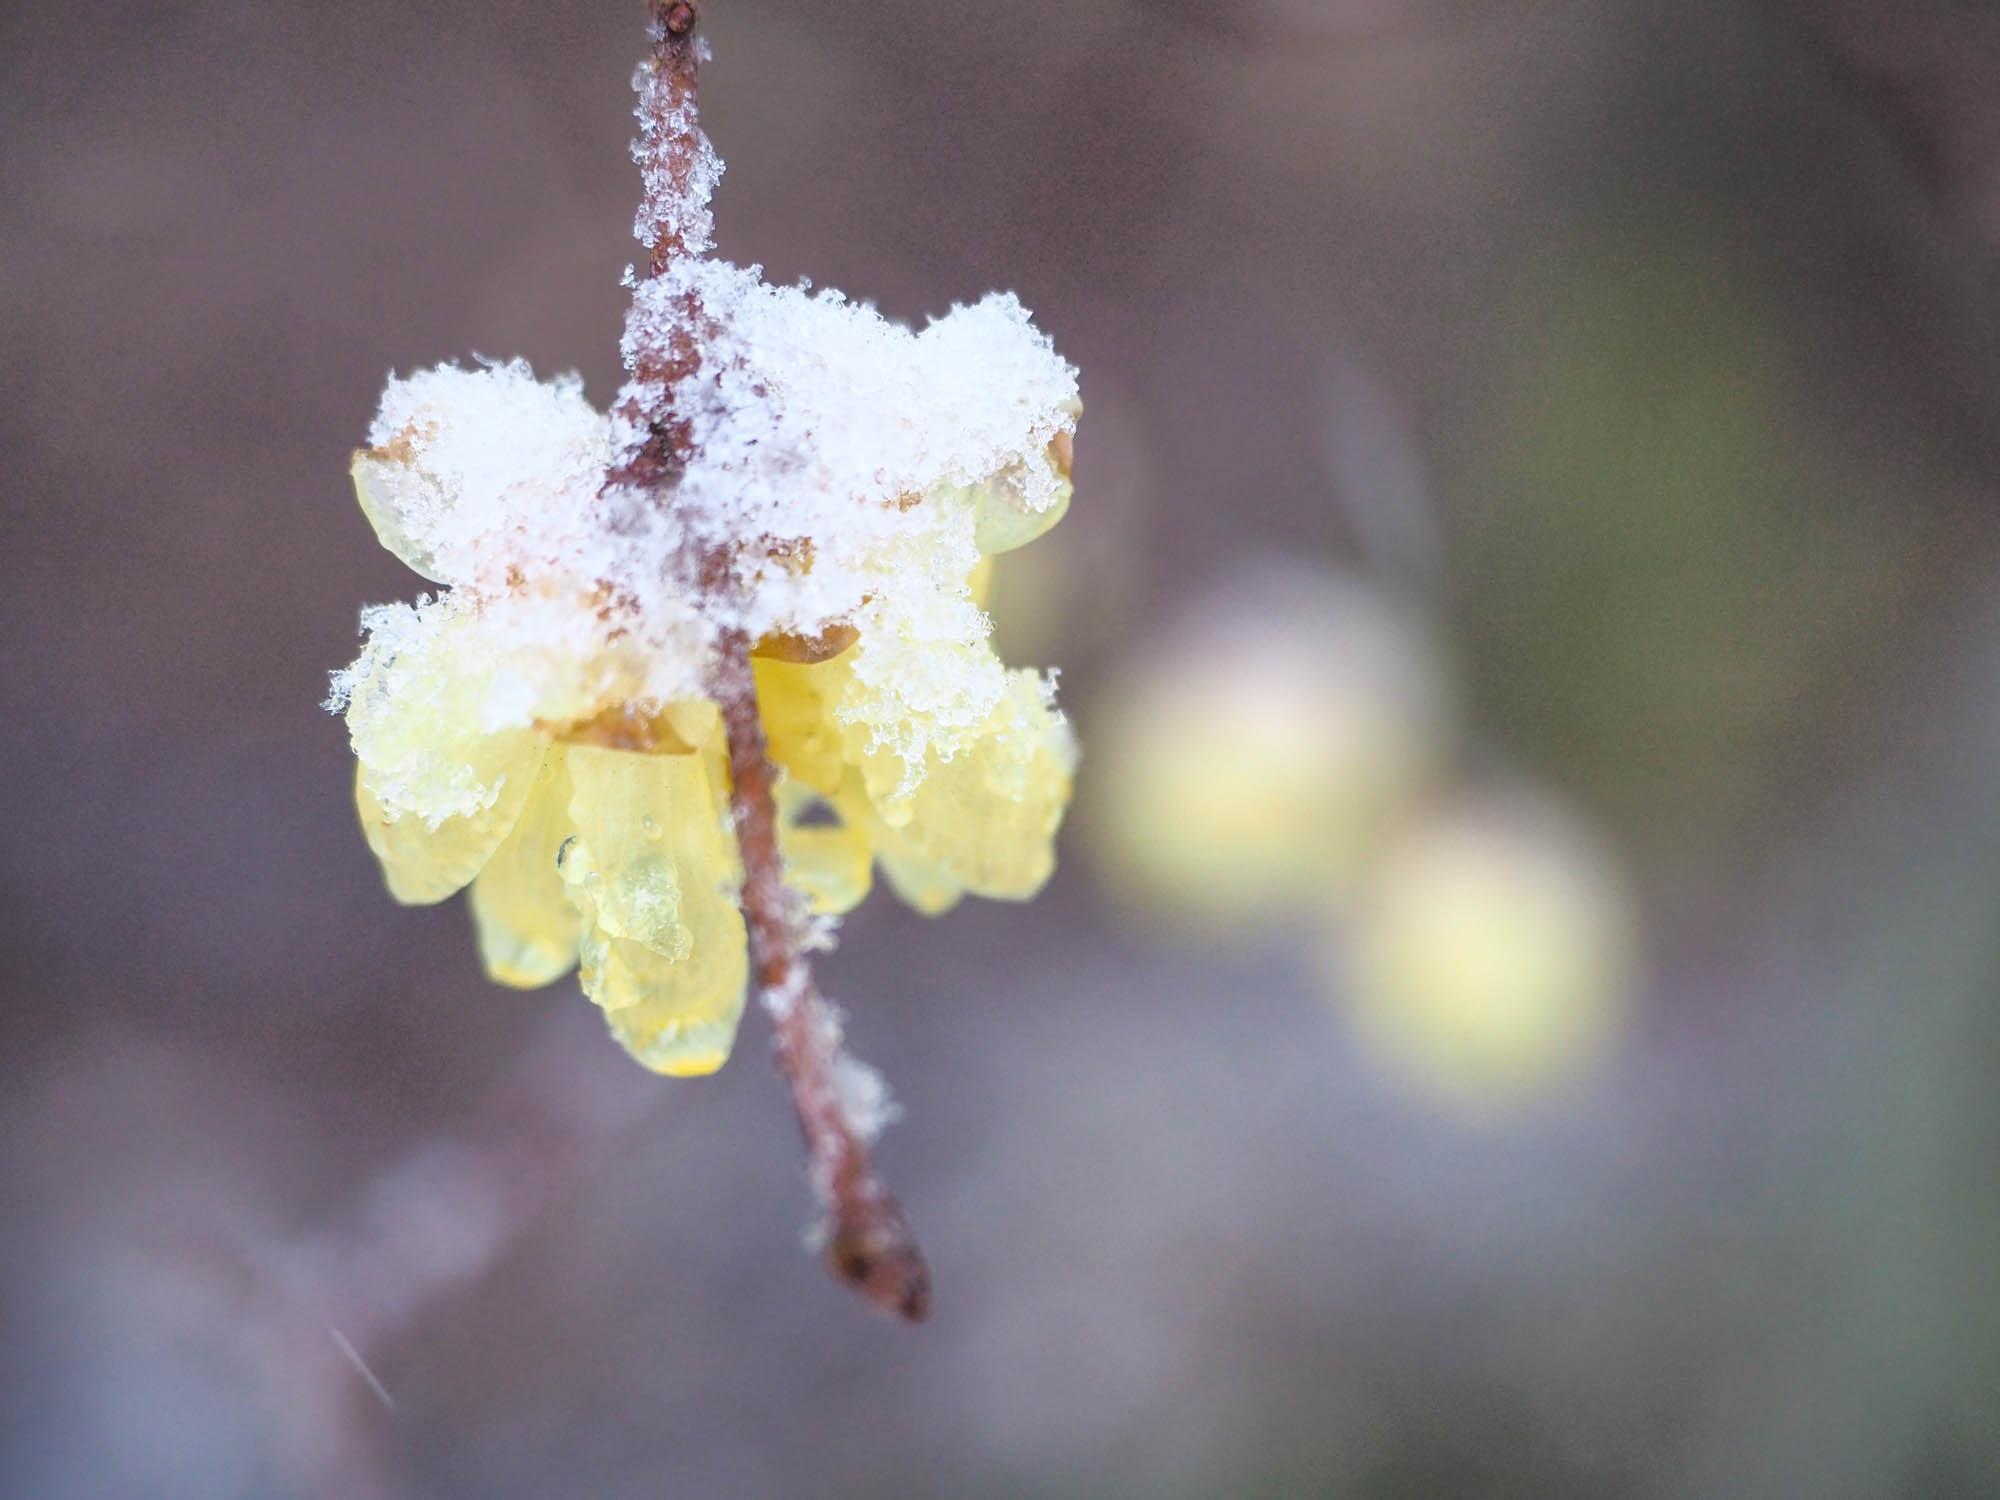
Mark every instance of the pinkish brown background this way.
pixel 1680 322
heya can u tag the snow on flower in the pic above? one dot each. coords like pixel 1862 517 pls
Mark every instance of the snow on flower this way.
pixel 542 727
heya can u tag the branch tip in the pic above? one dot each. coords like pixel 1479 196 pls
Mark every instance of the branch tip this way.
pixel 879 1258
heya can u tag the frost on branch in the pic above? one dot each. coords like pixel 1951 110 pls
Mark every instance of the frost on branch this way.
pixel 677 164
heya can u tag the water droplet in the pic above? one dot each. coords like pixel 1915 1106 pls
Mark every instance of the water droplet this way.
pixel 652 826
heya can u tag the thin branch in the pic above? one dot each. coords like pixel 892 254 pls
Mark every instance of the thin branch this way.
pixel 866 1241
pixel 676 167
pixel 319 1313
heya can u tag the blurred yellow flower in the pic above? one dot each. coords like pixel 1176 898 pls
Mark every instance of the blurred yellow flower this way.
pixel 1489 959
pixel 1256 757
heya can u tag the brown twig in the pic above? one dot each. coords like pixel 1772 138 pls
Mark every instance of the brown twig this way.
pixel 866 1241
pixel 670 151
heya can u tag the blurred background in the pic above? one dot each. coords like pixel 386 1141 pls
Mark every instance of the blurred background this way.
pixel 1516 1013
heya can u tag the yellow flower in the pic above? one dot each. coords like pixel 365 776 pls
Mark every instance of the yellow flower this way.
pixel 1491 958
pixel 538 734
pixel 1258 754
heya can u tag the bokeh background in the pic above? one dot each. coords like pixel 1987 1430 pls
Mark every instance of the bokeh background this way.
pixel 1641 358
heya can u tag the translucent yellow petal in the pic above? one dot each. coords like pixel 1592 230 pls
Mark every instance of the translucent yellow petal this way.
pixel 986 818
pixel 678 729
pixel 981 582
pixel 1005 525
pixel 383 477
pixel 795 700
pixel 677 1017
pixel 639 821
pixel 423 864
pixel 905 702
pixel 828 853
pixel 697 721
pixel 421 704
pixel 526 924
pixel 654 874
pixel 1007 517
pixel 919 884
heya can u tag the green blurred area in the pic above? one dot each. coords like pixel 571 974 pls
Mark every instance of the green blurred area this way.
pixel 1662 590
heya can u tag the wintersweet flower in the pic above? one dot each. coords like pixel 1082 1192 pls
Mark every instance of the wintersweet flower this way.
pixel 538 729
pixel 699 663
pixel 543 727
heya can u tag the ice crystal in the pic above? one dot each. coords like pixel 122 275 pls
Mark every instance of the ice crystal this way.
pixel 665 210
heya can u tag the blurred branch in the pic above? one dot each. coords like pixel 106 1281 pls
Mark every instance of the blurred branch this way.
pixel 322 1311
pixel 1377 474
pixel 1337 23
pixel 1926 75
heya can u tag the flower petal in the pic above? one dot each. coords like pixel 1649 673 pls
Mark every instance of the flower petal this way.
pixel 380 478
pixel 829 855
pixel 677 1017
pixel 1025 500
pixel 471 472
pixel 985 819
pixel 527 926
pixel 424 863
pixel 655 877
pixel 795 702
pixel 422 715
pixel 919 883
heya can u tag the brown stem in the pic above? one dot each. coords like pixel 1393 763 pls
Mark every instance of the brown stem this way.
pixel 867 1242
pixel 672 154
pixel 670 146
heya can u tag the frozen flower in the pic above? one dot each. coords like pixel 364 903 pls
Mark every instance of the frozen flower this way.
pixel 542 729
